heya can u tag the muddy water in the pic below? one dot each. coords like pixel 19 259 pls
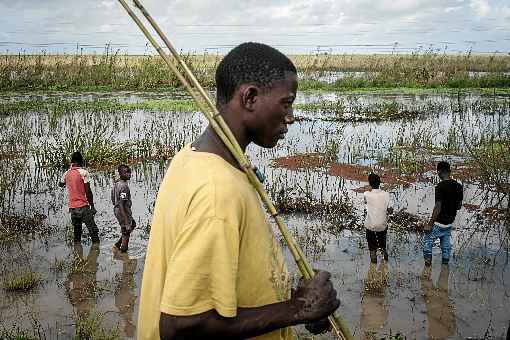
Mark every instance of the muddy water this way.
pixel 466 299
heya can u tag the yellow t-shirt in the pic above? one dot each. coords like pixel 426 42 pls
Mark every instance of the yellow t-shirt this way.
pixel 210 246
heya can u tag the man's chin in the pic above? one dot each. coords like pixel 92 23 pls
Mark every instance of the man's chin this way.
pixel 267 145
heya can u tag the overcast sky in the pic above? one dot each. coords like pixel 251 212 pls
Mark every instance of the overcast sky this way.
pixel 298 26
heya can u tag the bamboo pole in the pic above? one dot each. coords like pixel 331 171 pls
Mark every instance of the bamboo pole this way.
pixel 223 131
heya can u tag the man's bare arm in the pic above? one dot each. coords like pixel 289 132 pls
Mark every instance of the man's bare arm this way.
pixel 314 300
pixel 90 196
pixel 249 322
pixel 435 214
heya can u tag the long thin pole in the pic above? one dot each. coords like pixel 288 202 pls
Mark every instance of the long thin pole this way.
pixel 223 131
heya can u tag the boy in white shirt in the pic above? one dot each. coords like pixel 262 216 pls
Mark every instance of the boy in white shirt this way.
pixel 377 208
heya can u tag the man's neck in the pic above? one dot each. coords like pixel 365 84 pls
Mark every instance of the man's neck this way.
pixel 210 142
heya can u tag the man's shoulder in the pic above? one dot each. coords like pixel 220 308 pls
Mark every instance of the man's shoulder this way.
pixel 204 174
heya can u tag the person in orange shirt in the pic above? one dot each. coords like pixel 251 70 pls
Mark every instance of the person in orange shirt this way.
pixel 80 199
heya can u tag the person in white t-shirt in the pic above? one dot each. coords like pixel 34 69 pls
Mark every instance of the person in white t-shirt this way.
pixel 377 209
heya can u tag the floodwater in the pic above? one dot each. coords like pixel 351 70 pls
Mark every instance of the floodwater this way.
pixel 467 299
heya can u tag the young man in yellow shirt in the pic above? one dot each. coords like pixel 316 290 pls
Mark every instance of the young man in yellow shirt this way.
pixel 213 268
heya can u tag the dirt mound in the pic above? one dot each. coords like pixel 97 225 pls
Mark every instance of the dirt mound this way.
pixel 302 161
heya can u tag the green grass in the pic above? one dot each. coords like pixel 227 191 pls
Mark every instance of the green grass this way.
pixel 14 226
pixel 22 282
pixel 57 108
pixel 112 71
pixel 17 333
pixel 351 109
pixel 90 327
pixel 387 81
pixel 410 90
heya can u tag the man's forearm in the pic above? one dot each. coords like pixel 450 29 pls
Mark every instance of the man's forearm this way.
pixel 435 213
pixel 249 322
pixel 88 194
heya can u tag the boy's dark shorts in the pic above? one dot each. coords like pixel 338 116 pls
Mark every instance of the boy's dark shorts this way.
pixel 376 239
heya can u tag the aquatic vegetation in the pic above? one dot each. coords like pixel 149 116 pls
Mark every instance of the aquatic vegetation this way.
pixel 403 221
pixel 312 239
pixel 14 226
pixel 22 282
pixel 90 327
pixel 59 264
pixel 113 71
pixel 352 110
pixel 18 333
pixel 100 150
pixel 58 107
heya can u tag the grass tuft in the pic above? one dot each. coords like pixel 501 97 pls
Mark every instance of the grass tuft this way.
pixel 90 327
pixel 22 282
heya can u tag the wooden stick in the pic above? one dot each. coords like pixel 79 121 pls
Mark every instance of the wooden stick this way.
pixel 223 131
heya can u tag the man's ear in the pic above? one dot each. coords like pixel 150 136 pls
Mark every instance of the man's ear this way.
pixel 249 96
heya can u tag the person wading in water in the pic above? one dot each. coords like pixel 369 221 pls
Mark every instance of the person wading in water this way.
pixel 214 269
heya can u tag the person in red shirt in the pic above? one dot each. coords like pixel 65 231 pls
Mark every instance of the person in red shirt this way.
pixel 80 198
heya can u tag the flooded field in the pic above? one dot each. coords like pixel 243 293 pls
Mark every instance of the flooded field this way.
pixel 55 290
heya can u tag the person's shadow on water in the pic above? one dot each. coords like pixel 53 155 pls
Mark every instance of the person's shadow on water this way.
pixel 374 312
pixel 81 280
pixel 124 293
pixel 440 314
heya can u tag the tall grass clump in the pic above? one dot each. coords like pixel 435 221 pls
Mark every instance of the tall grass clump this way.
pixel 99 149
pixel 22 282
pixel 90 326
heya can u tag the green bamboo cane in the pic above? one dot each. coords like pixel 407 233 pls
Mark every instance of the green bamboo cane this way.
pixel 221 128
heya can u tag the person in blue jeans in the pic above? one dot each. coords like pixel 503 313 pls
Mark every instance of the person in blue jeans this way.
pixel 448 197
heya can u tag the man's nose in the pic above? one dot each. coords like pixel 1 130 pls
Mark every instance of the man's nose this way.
pixel 289 117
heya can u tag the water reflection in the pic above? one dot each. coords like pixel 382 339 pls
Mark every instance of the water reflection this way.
pixel 124 293
pixel 440 313
pixel 81 282
pixel 374 312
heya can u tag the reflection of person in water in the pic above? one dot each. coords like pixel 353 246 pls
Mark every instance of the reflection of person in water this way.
pixel 440 314
pixel 81 282
pixel 124 294
pixel 373 311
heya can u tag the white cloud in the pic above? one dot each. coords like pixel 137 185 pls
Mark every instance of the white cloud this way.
pixel 452 9
pixel 480 7
pixel 107 4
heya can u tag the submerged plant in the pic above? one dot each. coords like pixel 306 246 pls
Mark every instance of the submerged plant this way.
pixel 90 326
pixel 22 282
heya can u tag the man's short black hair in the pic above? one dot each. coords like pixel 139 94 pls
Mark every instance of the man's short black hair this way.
pixel 250 63
pixel 443 167
pixel 77 158
pixel 374 180
pixel 123 167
